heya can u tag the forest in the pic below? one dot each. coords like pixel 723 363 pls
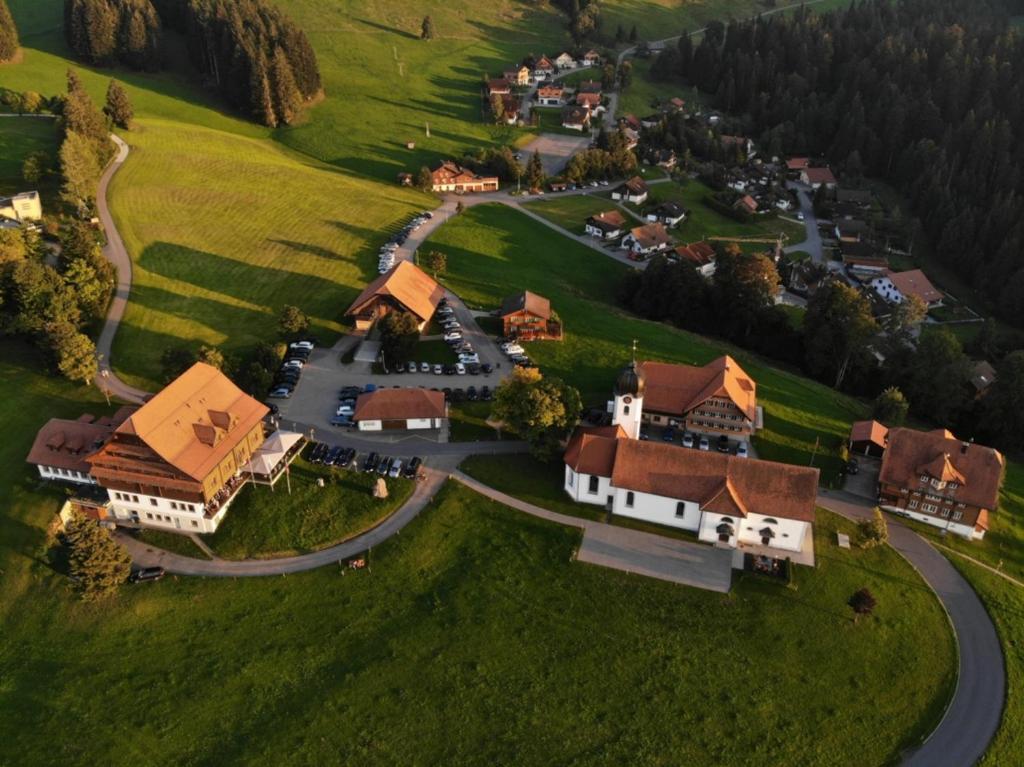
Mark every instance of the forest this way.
pixel 249 52
pixel 925 94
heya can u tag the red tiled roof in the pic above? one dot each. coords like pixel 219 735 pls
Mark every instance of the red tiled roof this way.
pixel 819 176
pixel 406 284
pixel 591 450
pixel 914 283
pixel 65 444
pixel 399 405
pixel 528 302
pixel 869 431
pixel 700 253
pixel 680 388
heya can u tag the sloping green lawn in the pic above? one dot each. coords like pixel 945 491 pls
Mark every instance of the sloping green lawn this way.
pixel 572 212
pixel 494 251
pixel 20 137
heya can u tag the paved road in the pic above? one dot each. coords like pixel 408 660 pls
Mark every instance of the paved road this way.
pixel 812 241
pixel 975 712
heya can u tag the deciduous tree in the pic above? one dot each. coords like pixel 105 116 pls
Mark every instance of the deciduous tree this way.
pixel 837 328
pixel 862 603
pixel 427 29
pixel 535 171
pixel 436 262
pixel 873 532
pixel 539 409
pixel 292 321
pixel 74 352
pixel 399 334
pixel 890 407
pixel 8 33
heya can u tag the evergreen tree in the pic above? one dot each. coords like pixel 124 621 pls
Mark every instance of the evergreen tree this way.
pixel 427 29
pixel 837 328
pixel 118 108
pixel 80 115
pixel 287 100
pixel 98 564
pixel 8 33
pixel 633 34
pixel 81 170
pixel 74 353
pixel 620 35
pixel 535 171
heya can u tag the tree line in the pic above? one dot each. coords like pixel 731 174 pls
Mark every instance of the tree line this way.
pixel 249 52
pixel 928 94
pixel 8 33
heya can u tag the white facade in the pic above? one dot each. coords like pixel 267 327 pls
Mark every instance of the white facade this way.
pixel 549 101
pixel 410 423
pixel 164 514
pixel 595 231
pixel 565 61
pixel 754 529
pixel 638 199
pixel 25 206
pixel 964 531
pixel 883 286
pixel 629 242
pixel 627 411
pixel 65 475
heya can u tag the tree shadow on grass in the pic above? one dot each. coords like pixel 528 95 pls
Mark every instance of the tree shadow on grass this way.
pixel 385 28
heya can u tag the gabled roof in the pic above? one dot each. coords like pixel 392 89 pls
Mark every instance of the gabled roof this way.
pixel 589 86
pixel 499 85
pixel 983 375
pixel 869 431
pixel 635 185
pixel 914 283
pixel 551 89
pixel 408 285
pixel 65 444
pixel 680 388
pixel 591 450
pixel 819 176
pixel 670 210
pixel 575 115
pixel 528 302
pixel 937 454
pixel 699 253
pixel 399 404
pixel 650 235
pixel 609 220
pixel 193 423
pixel 797 163
pixel 588 99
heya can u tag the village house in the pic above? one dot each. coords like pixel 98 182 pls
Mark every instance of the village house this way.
pixel 797 164
pixel 177 462
pixel 449 176
pixel 498 87
pixel 673 105
pixel 937 479
pixel 862 259
pixel 668 213
pixel 858 198
pixel 646 240
pixel 576 118
pixel 518 76
pixel 868 438
pixel 894 287
pixel 700 254
pixel 527 316
pixel 815 177
pixel 983 375
pixel 852 230
pixel 590 59
pixel 589 100
pixel 631 121
pixel 718 398
pixel 607 225
pixel 543 68
pixel 589 86
pixel 550 95
pixel 746 203
pixel 744 503
pixel 565 60
pixel 510 106
pixel 21 208
pixel 663 158
pixel 634 190
pixel 405 288
pixel 400 409
pixel 61 446
pixel 632 137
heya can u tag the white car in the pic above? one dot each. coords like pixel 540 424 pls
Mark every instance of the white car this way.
pixel 295 364
pixel 469 359
pixel 438 369
pixel 741 450
pixel 308 345
pixel 514 350
pixel 424 367
pixel 345 410
pixel 460 369
pixel 453 336
pixel 396 468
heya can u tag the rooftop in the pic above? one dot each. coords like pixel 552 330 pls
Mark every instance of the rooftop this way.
pixel 528 302
pixel 399 404
pixel 680 388
pixel 408 285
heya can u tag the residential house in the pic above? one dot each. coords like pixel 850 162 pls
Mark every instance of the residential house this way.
pixel 764 507
pixel 797 164
pixel 632 137
pixel 550 95
pixel 518 76
pixel 673 105
pixel 894 287
pixel 543 68
pixel 576 118
pixel 631 121
pixel 815 177
pixel 634 190
pixel 498 87
pixel 852 230
pixel 528 317
pixel 607 225
pixel 718 398
pixel 176 463
pixel 21 208
pixel 982 376
pixel 862 259
pixel 400 409
pixel 510 106
pixel 590 59
pixel 646 240
pixel 452 177
pixel 860 198
pixel 746 203
pixel 868 438
pixel 651 121
pixel 700 254
pixel 405 288
pixel 663 158
pixel 590 101
pixel 61 447
pixel 589 86
pixel 565 60
pixel 937 479
pixel 667 213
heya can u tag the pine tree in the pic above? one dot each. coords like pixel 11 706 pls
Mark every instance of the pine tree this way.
pixel 8 33
pixel 287 100
pixel 118 108
pixel 633 34
pixel 261 98
pixel 81 116
pixel 81 170
pixel 74 353
pixel 98 563
pixel 535 171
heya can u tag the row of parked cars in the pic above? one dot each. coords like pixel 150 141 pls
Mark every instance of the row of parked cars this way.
pixel 459 368
pixel 345 458
pixel 287 378
pixel 701 442
pixel 516 354
pixel 387 252
pixel 463 349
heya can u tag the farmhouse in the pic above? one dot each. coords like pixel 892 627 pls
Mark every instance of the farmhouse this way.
pixel 176 462
pixel 868 438
pixel 815 177
pixel 667 213
pixel 935 478
pixel 451 177
pixel 635 190
pixel 607 225
pixel 700 254
pixel 588 100
pixel 527 316
pixel 719 398
pixel 61 447
pixel 591 59
pixel 390 409
pixel 26 206
pixel 542 68
pixel 576 118
pixel 894 287
pixel 646 240
pixel 550 95
pixel 728 501
pixel 519 76
pixel 405 288
pixel 565 60
pixel 740 143
pixel 499 87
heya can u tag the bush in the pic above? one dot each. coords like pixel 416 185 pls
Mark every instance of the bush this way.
pixel 873 532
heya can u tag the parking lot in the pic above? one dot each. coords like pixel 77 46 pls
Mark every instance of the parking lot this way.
pixel 676 435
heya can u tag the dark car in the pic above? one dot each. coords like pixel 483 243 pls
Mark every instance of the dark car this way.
pixel 485 394
pixel 852 467
pixel 458 395
pixel 471 394
pixel 345 459
pixel 292 378
pixel 473 368
pixel 723 444
pixel 385 465
pixel 487 368
pixel 332 456
pixel 341 420
pixel 316 452
pixel 371 462
pixel 669 434
pixel 146 574
pixel 412 467
pixel 274 409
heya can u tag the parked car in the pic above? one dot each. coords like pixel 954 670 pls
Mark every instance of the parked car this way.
pixel 668 435
pixel 688 440
pixel 487 368
pixel 742 451
pixel 395 470
pixel 349 392
pixel 424 367
pixel 413 467
pixel 281 392
pixel 473 368
pixel 302 345
pixel 342 420
pixel 274 409
pixel 644 436
pixel 369 388
pixel 332 456
pixel 723 444
pixel 293 363
pixel 449 370
pixel 345 410
pixel 385 465
pixel 455 336
pixel 485 394
pixel 458 395
pixel 471 394
pixel 438 369
pixel 146 574
pixel 460 369
pixel 371 462
pixel 704 444
pixel 852 467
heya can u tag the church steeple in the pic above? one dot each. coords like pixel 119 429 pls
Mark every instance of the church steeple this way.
pixel 629 394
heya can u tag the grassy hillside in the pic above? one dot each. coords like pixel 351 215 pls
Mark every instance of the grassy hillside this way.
pixel 20 137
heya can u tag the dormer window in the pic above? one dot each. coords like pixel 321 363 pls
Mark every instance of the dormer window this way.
pixel 952 485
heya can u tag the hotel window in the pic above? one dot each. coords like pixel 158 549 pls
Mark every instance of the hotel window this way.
pixel 153 502
pixel 680 509
pixel 593 485
pixel 194 523
pixel 912 505
pixel 931 508
pixel 191 507
pixel 952 485
pixel 944 512
pixel 174 505
pixel 957 515
pixel 625 410
pixel 629 499
pixel 135 499
pixel 148 515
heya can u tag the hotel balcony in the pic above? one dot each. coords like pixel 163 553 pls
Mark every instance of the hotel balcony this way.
pixel 225 495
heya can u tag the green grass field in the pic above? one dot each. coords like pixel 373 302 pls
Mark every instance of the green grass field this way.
pixel 178 544
pixel 572 212
pixel 493 251
pixel 20 137
pixel 265 522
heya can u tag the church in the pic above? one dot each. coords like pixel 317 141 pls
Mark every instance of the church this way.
pixel 761 506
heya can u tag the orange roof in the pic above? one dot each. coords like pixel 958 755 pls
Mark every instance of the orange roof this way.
pixel 681 388
pixel 588 99
pixel 819 176
pixel 651 235
pixel 194 422
pixel 869 431
pixel 399 405
pixel 528 302
pixel 797 163
pixel 406 284
pixel 700 253
pixel 611 217
pixel 914 283
pixel 547 91
pixel 65 444
pixel 591 450
pixel 937 454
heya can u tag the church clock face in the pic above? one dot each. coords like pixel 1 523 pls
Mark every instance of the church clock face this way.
pixel 627 400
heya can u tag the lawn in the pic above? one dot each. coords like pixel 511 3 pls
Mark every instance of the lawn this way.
pixel 174 542
pixel 468 422
pixel 639 98
pixel 493 251
pixel 549 120
pixel 265 522
pixel 20 137
pixel 572 212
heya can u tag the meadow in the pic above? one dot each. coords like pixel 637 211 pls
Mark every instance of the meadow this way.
pixel 20 137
